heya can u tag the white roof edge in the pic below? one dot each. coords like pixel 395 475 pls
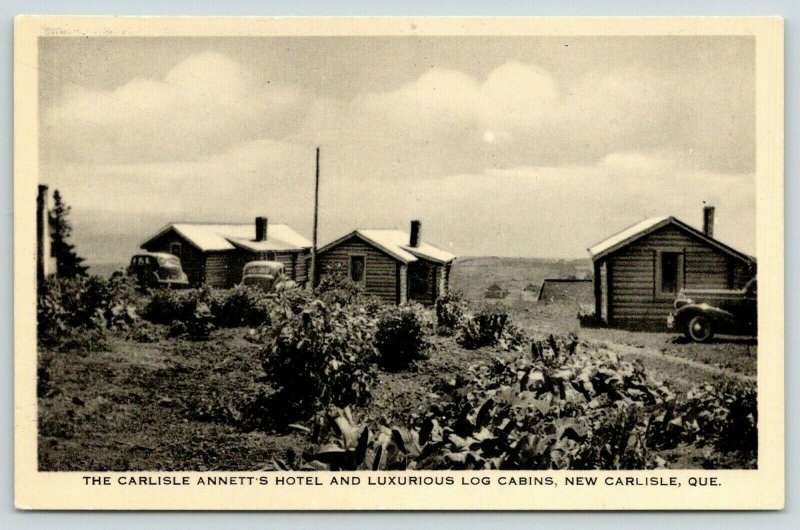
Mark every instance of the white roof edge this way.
pixel 396 250
pixel 644 227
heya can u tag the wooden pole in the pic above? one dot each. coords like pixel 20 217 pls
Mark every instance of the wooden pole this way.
pixel 316 220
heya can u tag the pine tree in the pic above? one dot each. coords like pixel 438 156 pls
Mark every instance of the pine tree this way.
pixel 68 263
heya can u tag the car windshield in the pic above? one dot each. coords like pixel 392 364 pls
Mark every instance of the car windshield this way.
pixel 262 269
pixel 169 261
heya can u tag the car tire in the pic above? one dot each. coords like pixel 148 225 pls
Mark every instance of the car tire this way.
pixel 699 328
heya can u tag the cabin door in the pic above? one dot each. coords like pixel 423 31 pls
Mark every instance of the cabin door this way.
pixel 421 282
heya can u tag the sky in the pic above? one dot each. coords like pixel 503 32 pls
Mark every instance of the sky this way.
pixel 512 146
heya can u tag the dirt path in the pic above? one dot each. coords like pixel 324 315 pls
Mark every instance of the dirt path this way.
pixel 648 353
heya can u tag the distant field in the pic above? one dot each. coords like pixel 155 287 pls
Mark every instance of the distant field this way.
pixel 471 276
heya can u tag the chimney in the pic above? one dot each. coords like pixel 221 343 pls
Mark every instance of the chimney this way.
pixel 261 228
pixel 416 226
pixel 708 221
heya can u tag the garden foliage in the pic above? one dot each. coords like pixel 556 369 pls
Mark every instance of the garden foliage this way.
pixel 563 406
pixel 320 354
pixel 488 328
pixel 400 336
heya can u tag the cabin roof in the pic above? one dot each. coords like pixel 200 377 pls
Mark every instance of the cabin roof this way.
pixel 636 231
pixel 214 237
pixel 395 244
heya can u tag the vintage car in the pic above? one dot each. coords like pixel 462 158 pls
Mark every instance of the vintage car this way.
pixel 157 269
pixel 702 313
pixel 268 276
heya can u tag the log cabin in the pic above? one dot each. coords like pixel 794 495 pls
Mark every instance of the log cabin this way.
pixel 639 271
pixel 215 254
pixel 391 265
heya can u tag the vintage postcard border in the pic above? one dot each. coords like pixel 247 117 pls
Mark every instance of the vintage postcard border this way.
pixel 757 489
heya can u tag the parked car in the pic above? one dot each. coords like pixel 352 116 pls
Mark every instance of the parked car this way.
pixel 702 313
pixel 158 269
pixel 268 276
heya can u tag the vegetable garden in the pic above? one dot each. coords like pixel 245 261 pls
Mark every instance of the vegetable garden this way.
pixel 509 399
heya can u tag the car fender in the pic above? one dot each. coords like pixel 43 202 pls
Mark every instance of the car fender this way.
pixel 717 315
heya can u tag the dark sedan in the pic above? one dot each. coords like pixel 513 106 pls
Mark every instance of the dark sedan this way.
pixel 702 313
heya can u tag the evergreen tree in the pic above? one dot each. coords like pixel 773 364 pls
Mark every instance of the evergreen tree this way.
pixel 68 263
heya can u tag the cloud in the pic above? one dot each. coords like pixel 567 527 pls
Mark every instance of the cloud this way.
pixel 447 122
pixel 527 210
pixel 520 161
pixel 204 104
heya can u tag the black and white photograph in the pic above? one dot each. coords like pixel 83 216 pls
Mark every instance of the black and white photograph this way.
pixel 285 254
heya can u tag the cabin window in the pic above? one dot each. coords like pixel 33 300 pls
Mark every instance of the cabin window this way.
pixel 357 266
pixel 175 249
pixel 670 272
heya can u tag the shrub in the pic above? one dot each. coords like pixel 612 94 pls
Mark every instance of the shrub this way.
pixel 201 324
pixel 76 306
pixel 489 329
pixel 243 306
pixel 400 336
pixel 450 312
pixel 239 306
pixel 177 328
pixel 144 331
pixel 335 287
pixel 167 306
pixel 320 355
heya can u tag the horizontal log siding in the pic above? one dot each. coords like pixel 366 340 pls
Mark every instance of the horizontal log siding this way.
pixel 381 270
pixel 634 297
pixel 220 267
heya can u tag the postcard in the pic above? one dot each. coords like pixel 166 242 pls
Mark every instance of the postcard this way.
pixel 398 263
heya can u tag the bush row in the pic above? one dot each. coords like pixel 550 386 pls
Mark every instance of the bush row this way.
pixel 75 310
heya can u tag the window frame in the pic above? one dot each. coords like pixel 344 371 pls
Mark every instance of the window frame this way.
pixel 172 247
pixel 659 272
pixel 363 279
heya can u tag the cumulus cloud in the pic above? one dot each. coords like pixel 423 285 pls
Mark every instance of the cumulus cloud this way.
pixel 205 104
pixel 493 164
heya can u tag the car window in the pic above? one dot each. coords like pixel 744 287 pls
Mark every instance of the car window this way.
pixel 171 261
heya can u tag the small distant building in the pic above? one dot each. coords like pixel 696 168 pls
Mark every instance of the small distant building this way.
pixel 495 291
pixel 566 290
pixel 214 254
pixel 391 265
pixel 639 271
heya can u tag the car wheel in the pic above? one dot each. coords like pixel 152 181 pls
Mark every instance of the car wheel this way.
pixel 699 329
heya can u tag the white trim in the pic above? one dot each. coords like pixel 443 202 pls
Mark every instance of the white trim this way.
pixel 659 272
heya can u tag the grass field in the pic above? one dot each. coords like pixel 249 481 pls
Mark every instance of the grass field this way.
pixel 175 404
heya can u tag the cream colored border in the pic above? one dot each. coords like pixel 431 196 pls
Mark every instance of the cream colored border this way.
pixel 759 489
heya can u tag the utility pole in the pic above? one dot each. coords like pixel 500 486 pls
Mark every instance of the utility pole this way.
pixel 316 220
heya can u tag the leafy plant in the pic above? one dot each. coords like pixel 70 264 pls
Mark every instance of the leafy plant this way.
pixel 450 313
pixel 70 307
pixel 489 329
pixel 320 355
pixel 335 287
pixel 400 336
